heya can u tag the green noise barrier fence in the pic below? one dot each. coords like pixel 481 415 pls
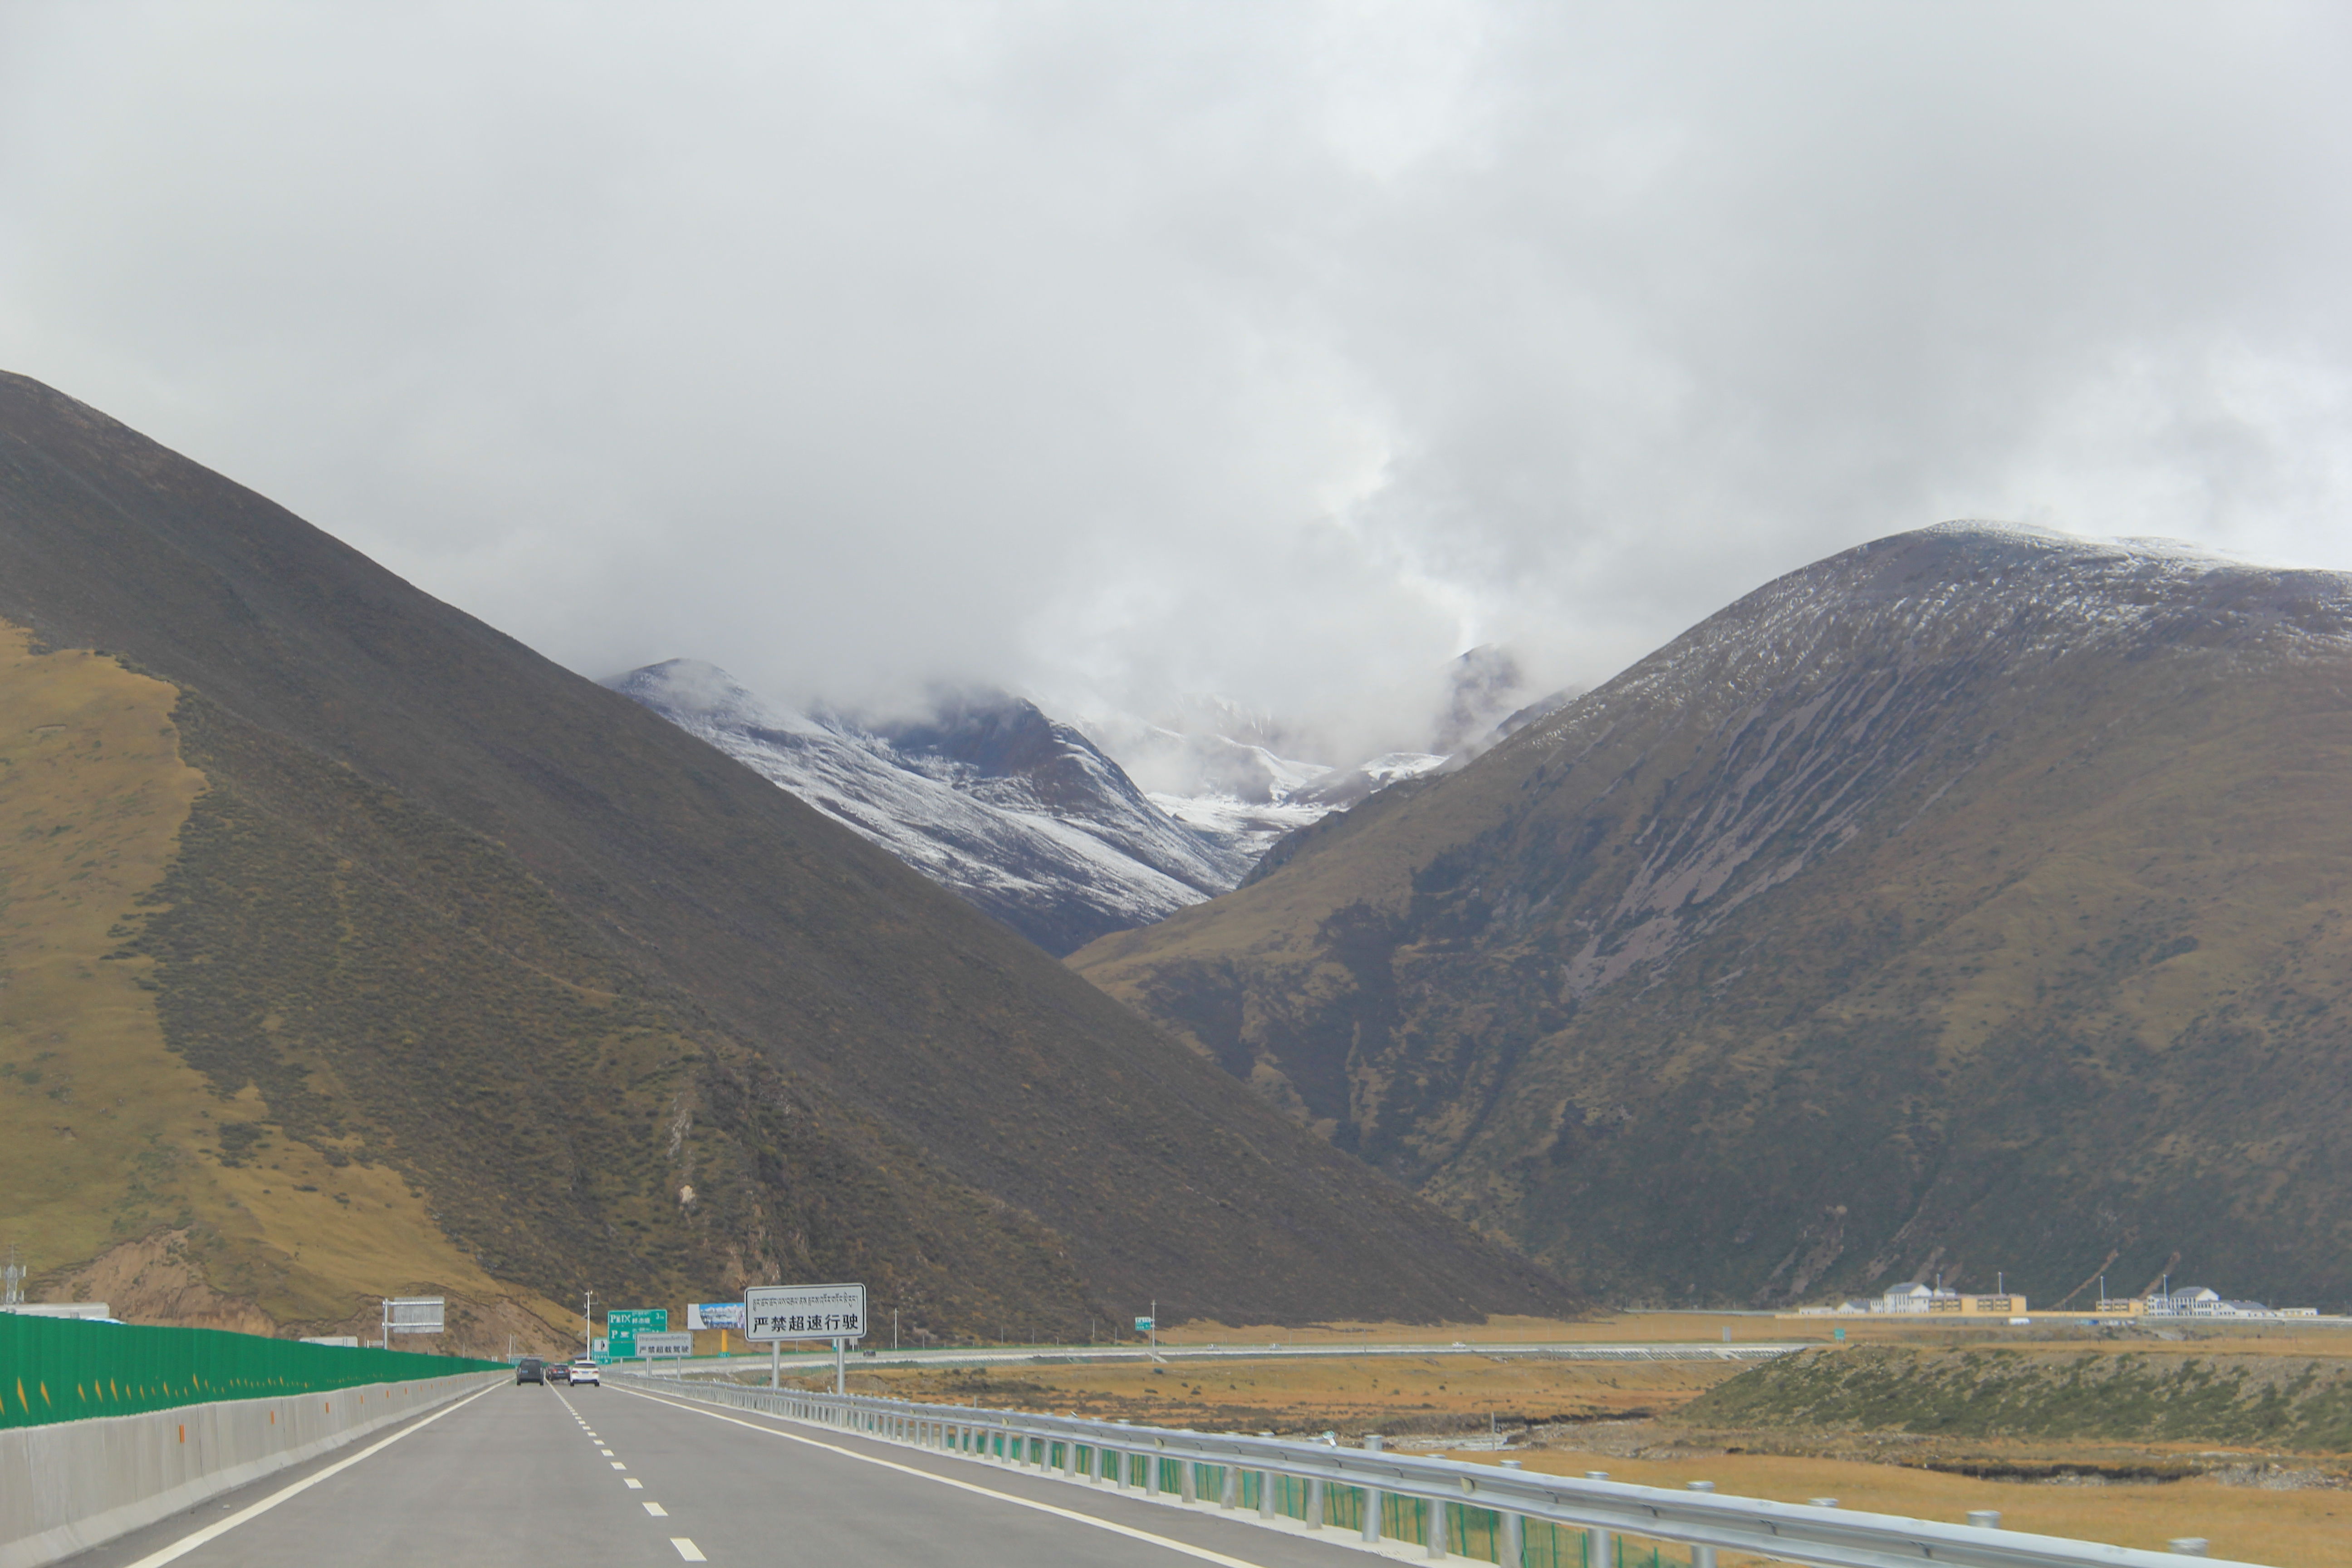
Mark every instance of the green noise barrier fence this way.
pixel 66 1369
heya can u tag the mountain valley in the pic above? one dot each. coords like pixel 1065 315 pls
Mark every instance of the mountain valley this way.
pixel 1031 820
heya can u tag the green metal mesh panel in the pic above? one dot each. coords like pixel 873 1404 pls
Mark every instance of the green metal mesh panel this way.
pixel 65 1369
pixel 1554 1546
pixel 1474 1531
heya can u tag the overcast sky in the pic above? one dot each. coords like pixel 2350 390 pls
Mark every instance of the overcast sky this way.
pixel 1116 351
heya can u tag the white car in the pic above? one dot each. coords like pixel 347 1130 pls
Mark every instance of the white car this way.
pixel 586 1372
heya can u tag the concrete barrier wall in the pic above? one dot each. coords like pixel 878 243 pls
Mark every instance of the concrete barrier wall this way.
pixel 68 1487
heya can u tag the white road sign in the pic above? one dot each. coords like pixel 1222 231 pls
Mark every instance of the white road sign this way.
pixel 772 1313
pixel 413 1315
pixel 666 1344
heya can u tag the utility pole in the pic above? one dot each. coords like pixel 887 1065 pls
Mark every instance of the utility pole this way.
pixel 894 1329
pixel 588 1315
pixel 1155 1325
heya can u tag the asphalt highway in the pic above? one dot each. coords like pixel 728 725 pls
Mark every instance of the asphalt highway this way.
pixel 521 1475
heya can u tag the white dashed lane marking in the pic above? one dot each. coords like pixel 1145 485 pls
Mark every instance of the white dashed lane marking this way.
pixel 684 1544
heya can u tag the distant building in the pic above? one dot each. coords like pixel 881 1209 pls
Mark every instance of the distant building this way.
pixel 2203 1301
pixel 1913 1297
pixel 2190 1301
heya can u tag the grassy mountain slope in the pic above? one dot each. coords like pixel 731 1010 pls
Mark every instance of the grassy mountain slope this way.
pixel 617 1011
pixel 109 1144
pixel 2297 1402
pixel 1973 900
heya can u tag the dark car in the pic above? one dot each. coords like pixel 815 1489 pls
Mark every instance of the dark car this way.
pixel 530 1369
pixel 558 1372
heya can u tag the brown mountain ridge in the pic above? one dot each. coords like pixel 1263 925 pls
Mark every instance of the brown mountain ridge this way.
pixel 1969 902
pixel 352 947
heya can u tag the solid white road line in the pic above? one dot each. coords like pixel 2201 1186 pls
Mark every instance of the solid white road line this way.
pixel 187 1543
pixel 687 1549
pixel 1183 1548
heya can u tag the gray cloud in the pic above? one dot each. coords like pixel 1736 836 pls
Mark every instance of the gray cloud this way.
pixel 1109 352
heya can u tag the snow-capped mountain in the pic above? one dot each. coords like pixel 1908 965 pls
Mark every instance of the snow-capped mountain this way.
pixel 1022 815
pixel 1240 776
pixel 1234 789
pixel 1065 833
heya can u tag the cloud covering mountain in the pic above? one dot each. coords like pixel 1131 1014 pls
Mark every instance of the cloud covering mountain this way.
pixel 1019 815
pixel 1280 350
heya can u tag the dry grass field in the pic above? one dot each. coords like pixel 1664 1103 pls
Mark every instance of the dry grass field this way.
pixel 2305 1527
pixel 1403 1395
pixel 1613 1328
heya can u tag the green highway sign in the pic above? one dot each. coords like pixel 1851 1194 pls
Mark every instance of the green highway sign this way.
pixel 623 1327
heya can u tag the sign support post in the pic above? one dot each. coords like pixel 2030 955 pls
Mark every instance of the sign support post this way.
pixel 776 1364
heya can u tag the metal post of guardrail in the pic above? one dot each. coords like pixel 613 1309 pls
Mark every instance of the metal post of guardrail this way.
pixel 1433 1532
pixel 1702 1556
pixel 1187 1489
pixel 1314 1502
pixel 1596 1539
pixel 1151 1472
pixel 1229 1490
pixel 1510 1551
pixel 1371 1531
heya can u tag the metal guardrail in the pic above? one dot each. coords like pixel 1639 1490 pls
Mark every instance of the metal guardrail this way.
pixel 1217 1464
